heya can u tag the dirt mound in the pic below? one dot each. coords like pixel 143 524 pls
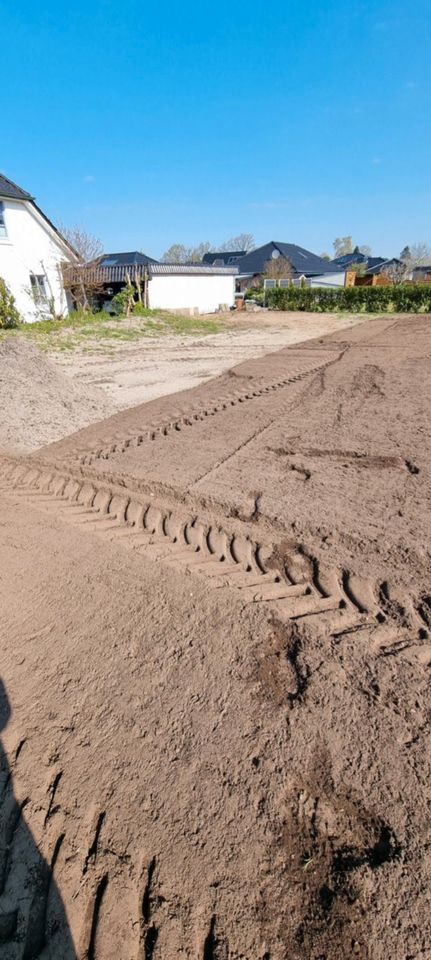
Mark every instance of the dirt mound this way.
pixel 39 403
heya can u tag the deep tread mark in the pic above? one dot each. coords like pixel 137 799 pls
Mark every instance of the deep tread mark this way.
pixel 150 941
pixel 146 897
pixel 345 579
pixel 211 549
pixel 210 942
pixel 52 790
pixel 95 829
pixel 92 918
pixel 200 415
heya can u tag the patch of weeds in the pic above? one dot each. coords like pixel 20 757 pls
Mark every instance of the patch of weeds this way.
pixel 180 324
pixel 80 328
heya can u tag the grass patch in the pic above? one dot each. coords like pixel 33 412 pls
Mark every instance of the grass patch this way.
pixel 95 329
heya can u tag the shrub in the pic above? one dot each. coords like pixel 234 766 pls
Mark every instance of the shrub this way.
pixel 123 301
pixel 402 298
pixel 139 310
pixel 9 316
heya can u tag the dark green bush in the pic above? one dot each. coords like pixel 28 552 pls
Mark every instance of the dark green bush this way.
pixel 9 316
pixel 403 298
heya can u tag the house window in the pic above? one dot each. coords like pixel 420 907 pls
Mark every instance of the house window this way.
pixel 3 231
pixel 38 287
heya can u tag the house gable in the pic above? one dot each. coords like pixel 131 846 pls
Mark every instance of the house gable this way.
pixel 302 261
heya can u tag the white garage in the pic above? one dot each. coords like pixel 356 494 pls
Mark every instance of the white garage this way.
pixel 199 287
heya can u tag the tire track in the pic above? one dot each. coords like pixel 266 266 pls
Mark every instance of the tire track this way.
pixel 293 583
pixel 198 415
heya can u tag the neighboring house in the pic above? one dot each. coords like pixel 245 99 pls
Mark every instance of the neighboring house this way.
pixel 377 265
pixel 225 258
pixel 31 253
pixel 125 259
pixel 372 266
pixel 169 286
pixel 119 267
pixel 302 263
pixel 348 260
pixel 324 280
pixel 422 273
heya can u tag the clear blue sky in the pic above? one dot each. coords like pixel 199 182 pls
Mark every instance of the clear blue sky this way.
pixel 150 123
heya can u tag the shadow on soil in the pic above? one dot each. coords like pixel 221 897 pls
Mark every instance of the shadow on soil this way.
pixel 33 920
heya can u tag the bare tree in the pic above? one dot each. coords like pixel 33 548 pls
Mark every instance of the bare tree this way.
pixel 82 281
pixel 176 253
pixel 197 253
pixel 86 245
pixel 365 249
pixel 179 253
pixel 278 269
pixel 244 241
pixel 342 245
pixel 396 272
pixel 325 256
pixel 420 255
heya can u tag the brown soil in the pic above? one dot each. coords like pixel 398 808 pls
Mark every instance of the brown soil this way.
pixel 56 394
pixel 154 366
pixel 216 618
pixel 38 402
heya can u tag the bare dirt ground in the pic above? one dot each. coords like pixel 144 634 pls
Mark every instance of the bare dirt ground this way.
pixel 216 616
pixel 57 391
pixel 143 370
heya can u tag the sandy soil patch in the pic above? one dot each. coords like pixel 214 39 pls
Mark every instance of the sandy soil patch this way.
pixel 38 402
pixel 142 370
pixel 56 392
pixel 216 612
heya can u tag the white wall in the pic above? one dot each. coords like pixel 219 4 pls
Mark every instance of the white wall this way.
pixel 328 280
pixel 172 291
pixel 30 247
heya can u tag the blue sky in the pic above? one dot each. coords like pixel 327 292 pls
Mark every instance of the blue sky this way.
pixel 151 124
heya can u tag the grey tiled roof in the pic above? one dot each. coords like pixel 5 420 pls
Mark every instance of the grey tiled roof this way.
pixel 125 259
pixel 302 261
pixel 11 190
pixel 227 256
pixel 192 269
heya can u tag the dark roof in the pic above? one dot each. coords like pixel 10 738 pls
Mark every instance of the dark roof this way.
pixel 374 262
pixel 348 258
pixel 11 190
pixel 226 256
pixel 378 265
pixel 302 261
pixel 125 259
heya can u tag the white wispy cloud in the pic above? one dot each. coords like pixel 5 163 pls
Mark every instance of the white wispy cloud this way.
pixel 89 178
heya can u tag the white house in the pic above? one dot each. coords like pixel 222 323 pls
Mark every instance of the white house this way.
pixel 31 251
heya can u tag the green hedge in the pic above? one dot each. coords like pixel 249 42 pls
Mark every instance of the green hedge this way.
pixel 403 298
